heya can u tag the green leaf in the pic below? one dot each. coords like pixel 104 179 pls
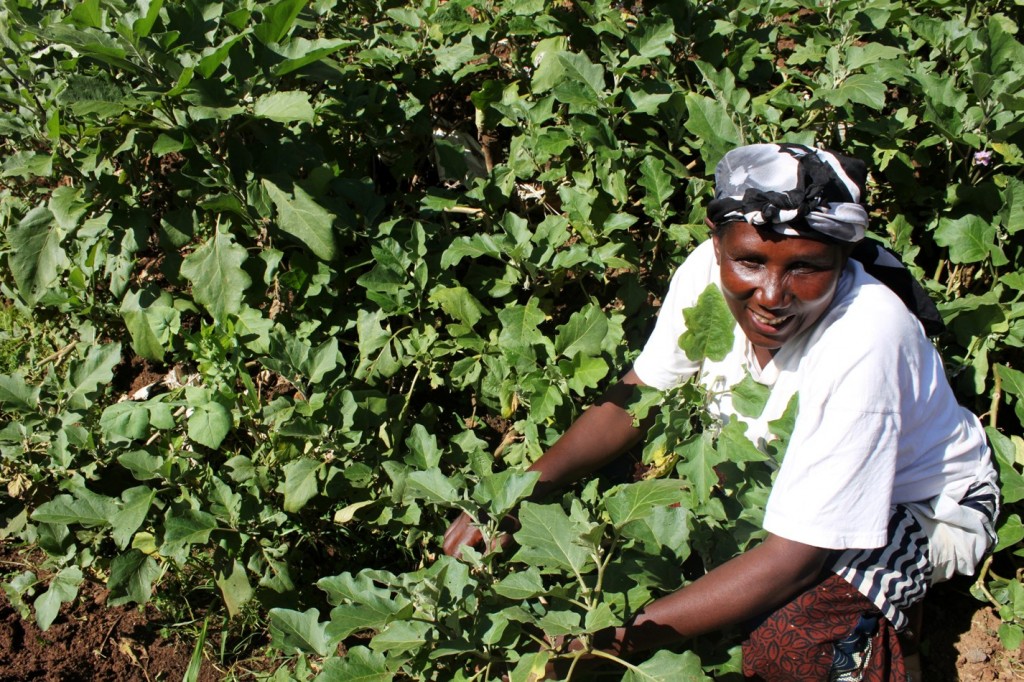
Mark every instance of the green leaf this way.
pixel 550 68
pixel 970 239
pixel 235 588
pixel 860 88
pixel 1011 532
pixel 63 588
pixel 1012 215
pixel 460 303
pixel 190 527
pixel 709 327
pixel 734 446
pixel 128 420
pixel 749 396
pixel 209 424
pixel 710 123
pixel 666 666
pixel 300 483
pixel 698 459
pixel 278 20
pixel 295 632
pixel 150 12
pixel 300 52
pixel 521 585
pixel 653 38
pixel 433 486
pixel 151 322
pixel 1012 380
pixel 1011 636
pixel 401 635
pixel 506 489
pixel 657 183
pixel 89 375
pixel 635 501
pixel 519 326
pixel 132 575
pixel 16 395
pixel 661 529
pixel 583 333
pixel 284 107
pixel 531 667
pixel 303 218
pixel 218 280
pixel 36 257
pixel 134 509
pixel 549 538
pixel 86 508
pixel 1011 481
pixel 358 665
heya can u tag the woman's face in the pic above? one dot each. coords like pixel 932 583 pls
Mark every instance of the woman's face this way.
pixel 776 286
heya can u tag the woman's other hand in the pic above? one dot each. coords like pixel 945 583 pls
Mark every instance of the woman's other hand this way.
pixel 464 532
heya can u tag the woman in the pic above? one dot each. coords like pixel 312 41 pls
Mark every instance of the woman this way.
pixel 887 483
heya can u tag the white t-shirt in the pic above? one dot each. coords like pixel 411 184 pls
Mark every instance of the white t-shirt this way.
pixel 877 425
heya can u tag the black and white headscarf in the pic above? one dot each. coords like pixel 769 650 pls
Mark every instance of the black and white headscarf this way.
pixel 803 191
pixel 792 188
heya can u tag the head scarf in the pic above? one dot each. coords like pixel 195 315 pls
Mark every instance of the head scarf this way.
pixel 794 189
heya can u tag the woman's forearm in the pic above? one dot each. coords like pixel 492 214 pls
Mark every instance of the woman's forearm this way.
pixel 751 584
pixel 602 433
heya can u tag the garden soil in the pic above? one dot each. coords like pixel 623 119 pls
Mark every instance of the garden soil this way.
pixel 90 641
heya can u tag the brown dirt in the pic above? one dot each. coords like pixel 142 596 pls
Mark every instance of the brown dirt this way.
pixel 90 641
pixel 959 641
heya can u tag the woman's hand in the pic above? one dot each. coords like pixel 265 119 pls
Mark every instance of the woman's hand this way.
pixel 464 532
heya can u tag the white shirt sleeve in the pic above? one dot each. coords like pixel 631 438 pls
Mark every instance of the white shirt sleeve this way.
pixel 662 363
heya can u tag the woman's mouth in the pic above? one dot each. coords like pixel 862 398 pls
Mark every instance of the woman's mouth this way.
pixel 771 322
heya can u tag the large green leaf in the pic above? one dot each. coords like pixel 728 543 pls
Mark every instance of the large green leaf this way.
pixel 709 121
pixel 285 107
pixel 358 665
pixel 278 20
pixel 85 508
pixel 636 501
pixel 666 666
pixel 300 483
pixel 16 395
pixel 37 258
pixel 188 527
pixel 298 632
pixel 303 218
pixel 218 280
pixel 209 424
pixel 135 506
pixel 63 588
pixel 519 326
pixel 92 374
pixel 549 538
pixel 709 327
pixel 970 239
pixel 583 333
pixel 698 459
pixel 132 575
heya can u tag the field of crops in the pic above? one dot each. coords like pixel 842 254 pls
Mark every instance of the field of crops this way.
pixel 285 285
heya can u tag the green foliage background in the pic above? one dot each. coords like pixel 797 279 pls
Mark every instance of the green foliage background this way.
pixel 377 255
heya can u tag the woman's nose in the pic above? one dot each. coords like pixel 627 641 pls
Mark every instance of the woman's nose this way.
pixel 771 294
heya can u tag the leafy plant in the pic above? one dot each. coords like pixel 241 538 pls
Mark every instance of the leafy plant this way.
pixel 288 281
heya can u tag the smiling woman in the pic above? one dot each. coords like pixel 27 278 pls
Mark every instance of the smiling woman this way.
pixel 775 286
pixel 886 485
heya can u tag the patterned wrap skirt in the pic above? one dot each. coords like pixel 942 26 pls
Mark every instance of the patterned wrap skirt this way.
pixel 844 628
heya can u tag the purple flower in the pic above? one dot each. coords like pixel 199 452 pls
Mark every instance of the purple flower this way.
pixel 982 158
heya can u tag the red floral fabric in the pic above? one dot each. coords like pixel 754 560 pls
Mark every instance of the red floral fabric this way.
pixel 795 643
